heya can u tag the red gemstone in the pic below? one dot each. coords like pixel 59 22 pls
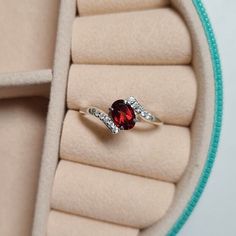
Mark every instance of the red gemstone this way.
pixel 123 115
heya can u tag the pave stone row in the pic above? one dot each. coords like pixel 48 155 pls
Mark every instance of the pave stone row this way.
pixel 105 119
pixel 139 109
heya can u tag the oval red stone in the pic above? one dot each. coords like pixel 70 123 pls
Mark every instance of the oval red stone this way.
pixel 123 115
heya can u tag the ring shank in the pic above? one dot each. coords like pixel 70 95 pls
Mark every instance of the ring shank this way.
pixel 155 121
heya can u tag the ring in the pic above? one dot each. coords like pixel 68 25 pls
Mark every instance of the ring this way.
pixel 122 115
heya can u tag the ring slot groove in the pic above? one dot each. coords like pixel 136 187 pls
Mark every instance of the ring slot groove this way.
pixel 147 37
pixel 110 196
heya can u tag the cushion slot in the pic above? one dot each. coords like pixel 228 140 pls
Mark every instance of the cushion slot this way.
pixel 147 37
pixel 162 153
pixel 110 196
pixel 62 224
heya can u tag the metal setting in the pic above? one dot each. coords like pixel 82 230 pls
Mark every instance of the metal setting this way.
pixel 140 113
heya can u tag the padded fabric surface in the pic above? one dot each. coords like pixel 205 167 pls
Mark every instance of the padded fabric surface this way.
pixel 110 196
pixel 22 126
pixel 25 78
pixel 201 127
pixel 81 187
pixel 94 7
pixel 28 31
pixel 25 91
pixel 169 91
pixel 61 224
pixel 25 84
pixel 160 153
pixel 144 37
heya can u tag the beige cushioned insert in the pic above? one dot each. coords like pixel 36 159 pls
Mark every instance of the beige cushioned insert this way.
pixel 93 7
pixel 22 124
pixel 25 84
pixel 25 91
pixel 146 37
pixel 110 196
pixel 160 153
pixel 169 91
pixel 28 31
pixel 61 224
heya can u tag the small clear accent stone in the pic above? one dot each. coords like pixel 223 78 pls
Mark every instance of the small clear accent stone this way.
pixel 131 100
pixel 102 116
pixel 115 130
pixel 113 126
pixel 138 110
pixel 96 113
pixel 148 116
pixel 144 113
pixel 108 122
pixel 106 119
pixel 135 105
pixel 92 110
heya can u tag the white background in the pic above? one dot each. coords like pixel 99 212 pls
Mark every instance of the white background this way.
pixel 215 215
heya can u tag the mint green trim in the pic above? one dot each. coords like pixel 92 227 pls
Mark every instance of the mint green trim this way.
pixel 217 120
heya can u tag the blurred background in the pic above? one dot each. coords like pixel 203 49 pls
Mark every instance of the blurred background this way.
pixel 215 215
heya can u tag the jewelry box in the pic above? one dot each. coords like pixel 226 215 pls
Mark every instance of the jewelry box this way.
pixel 64 174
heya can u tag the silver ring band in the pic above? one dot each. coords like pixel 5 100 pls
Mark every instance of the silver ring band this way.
pixel 108 120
